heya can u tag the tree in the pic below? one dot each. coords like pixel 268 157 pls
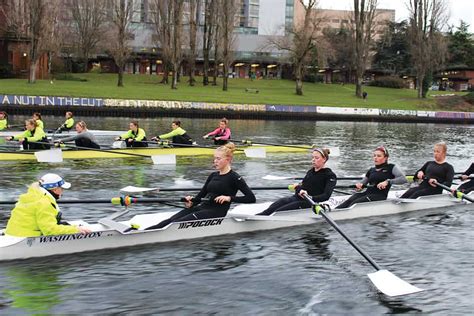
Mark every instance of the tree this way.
pixel 207 36
pixel 364 15
pixel 461 46
pixel 229 9
pixel 176 51
pixel 37 12
pixel 161 16
pixel 427 45
pixel 338 44
pixel 194 11
pixel 120 35
pixel 88 18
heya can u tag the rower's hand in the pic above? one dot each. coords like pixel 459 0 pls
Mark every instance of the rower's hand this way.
pixel 205 136
pixel 382 185
pixel 302 193
pixel 420 175
pixel 221 199
pixel 433 182
pixel 155 139
pixel 188 201
pixel 359 186
pixel 464 177
pixel 118 138
pixel 84 230
pixel 9 138
pixel 130 140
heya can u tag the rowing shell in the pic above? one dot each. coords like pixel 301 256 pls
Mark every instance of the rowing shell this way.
pixel 96 132
pixel 108 233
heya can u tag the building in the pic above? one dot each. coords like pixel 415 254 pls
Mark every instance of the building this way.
pixel 456 78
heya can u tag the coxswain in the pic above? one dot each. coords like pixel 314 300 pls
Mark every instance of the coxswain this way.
pixel 221 135
pixel 219 190
pixel 38 120
pixel 32 138
pixel 135 137
pixel 319 183
pixel 68 123
pixel 3 120
pixel 178 135
pixel 37 212
pixel 468 186
pixel 378 180
pixel 432 172
pixel 83 138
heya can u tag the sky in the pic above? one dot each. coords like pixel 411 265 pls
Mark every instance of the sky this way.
pixel 459 9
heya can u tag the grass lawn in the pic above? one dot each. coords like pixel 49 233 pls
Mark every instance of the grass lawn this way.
pixel 147 87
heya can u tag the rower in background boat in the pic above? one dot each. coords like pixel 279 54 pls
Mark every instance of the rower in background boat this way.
pixel 38 120
pixel 378 180
pixel 135 137
pixel 37 212
pixel 178 135
pixel 467 186
pixel 30 138
pixel 83 138
pixel 221 135
pixel 3 120
pixel 319 183
pixel 68 123
pixel 432 172
pixel 220 190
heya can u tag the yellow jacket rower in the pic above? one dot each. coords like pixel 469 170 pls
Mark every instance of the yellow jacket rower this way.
pixel 3 120
pixel 32 138
pixel 37 213
pixel 68 123
pixel 135 137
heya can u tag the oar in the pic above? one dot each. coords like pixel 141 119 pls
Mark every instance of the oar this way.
pixel 335 152
pixel 123 200
pixel 460 195
pixel 271 177
pixel 384 280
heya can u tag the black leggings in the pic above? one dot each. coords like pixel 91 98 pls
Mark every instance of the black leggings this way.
pixel 34 145
pixel 467 187
pixel 361 197
pixel 136 143
pixel 191 214
pixel 286 204
pixel 415 192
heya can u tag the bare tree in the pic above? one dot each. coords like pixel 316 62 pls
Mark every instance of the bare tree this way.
pixel 229 9
pixel 161 16
pixel 364 24
pixel 208 31
pixel 427 47
pixel 194 12
pixel 88 19
pixel 37 10
pixel 300 42
pixel 176 49
pixel 217 38
pixel 120 35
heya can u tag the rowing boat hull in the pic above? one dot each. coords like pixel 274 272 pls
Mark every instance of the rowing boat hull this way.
pixel 239 220
pixel 149 151
pixel 98 132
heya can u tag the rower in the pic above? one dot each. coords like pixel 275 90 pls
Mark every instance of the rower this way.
pixel 319 183
pixel 220 188
pixel 83 138
pixel 68 123
pixel 135 137
pixel 31 137
pixel 467 186
pixel 221 134
pixel 432 172
pixel 3 120
pixel 37 212
pixel 178 135
pixel 38 120
pixel 378 180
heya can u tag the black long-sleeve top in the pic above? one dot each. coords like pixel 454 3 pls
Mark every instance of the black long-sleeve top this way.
pixel 226 184
pixel 469 170
pixel 443 173
pixel 319 184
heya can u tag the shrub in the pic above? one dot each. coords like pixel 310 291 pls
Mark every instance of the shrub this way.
pixel 68 77
pixel 388 82
pixel 6 71
pixel 469 97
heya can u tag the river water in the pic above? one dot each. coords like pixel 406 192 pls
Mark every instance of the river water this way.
pixel 308 270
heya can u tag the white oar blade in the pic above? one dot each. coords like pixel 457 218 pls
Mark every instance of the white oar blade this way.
pixel 164 159
pixel 51 155
pixel 137 190
pixel 334 152
pixel 391 285
pixel 270 177
pixel 255 152
pixel 118 144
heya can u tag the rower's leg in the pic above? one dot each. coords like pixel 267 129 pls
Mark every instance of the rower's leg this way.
pixel 278 204
pixel 352 199
pixel 175 218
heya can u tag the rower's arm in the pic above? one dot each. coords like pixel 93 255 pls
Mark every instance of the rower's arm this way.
pixel 141 135
pixel 127 135
pixel 175 132
pixel 22 135
pixel 328 188
pixel 47 222
pixel 449 175
pixel 197 199
pixel 400 177
pixel 248 196
pixel 470 170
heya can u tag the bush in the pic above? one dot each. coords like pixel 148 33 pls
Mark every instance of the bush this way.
pixel 6 71
pixel 469 98
pixel 68 77
pixel 388 82
pixel 313 78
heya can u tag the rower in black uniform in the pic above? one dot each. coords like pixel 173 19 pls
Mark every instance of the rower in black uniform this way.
pixel 469 185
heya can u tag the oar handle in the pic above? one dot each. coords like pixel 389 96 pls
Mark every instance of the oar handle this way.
pixel 320 210
pixel 460 195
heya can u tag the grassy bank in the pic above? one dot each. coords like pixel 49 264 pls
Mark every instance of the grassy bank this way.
pixel 147 87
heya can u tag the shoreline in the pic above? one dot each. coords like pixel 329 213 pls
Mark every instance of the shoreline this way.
pixel 24 104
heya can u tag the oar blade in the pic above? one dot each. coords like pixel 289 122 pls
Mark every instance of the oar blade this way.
pixel 334 152
pixel 118 144
pixel 270 177
pixel 391 285
pixel 164 159
pixel 50 155
pixel 255 152
pixel 132 190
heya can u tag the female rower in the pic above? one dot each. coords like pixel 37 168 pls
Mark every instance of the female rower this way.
pixel 469 185
pixel 177 135
pixel 432 172
pixel 37 212
pixel 32 138
pixel 219 190
pixel 3 120
pixel 38 120
pixel 135 137
pixel 68 123
pixel 378 180
pixel 83 138
pixel 319 183
pixel 221 134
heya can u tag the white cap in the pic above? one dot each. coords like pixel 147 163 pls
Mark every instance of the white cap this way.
pixel 52 180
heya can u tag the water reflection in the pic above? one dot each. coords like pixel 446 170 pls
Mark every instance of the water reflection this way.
pixel 317 245
pixel 397 306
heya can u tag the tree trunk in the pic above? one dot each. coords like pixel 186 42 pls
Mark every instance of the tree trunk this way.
pixel 32 77
pixel 359 86
pixel 120 77
pixel 299 79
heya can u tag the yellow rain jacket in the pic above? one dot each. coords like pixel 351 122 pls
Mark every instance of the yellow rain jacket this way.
pixel 35 214
pixel 139 136
pixel 69 123
pixel 39 123
pixel 37 136
pixel 3 124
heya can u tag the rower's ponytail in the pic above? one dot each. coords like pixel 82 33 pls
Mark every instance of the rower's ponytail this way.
pixel 228 149
pixel 324 152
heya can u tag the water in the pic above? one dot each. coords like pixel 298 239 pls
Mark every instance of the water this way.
pixel 308 270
